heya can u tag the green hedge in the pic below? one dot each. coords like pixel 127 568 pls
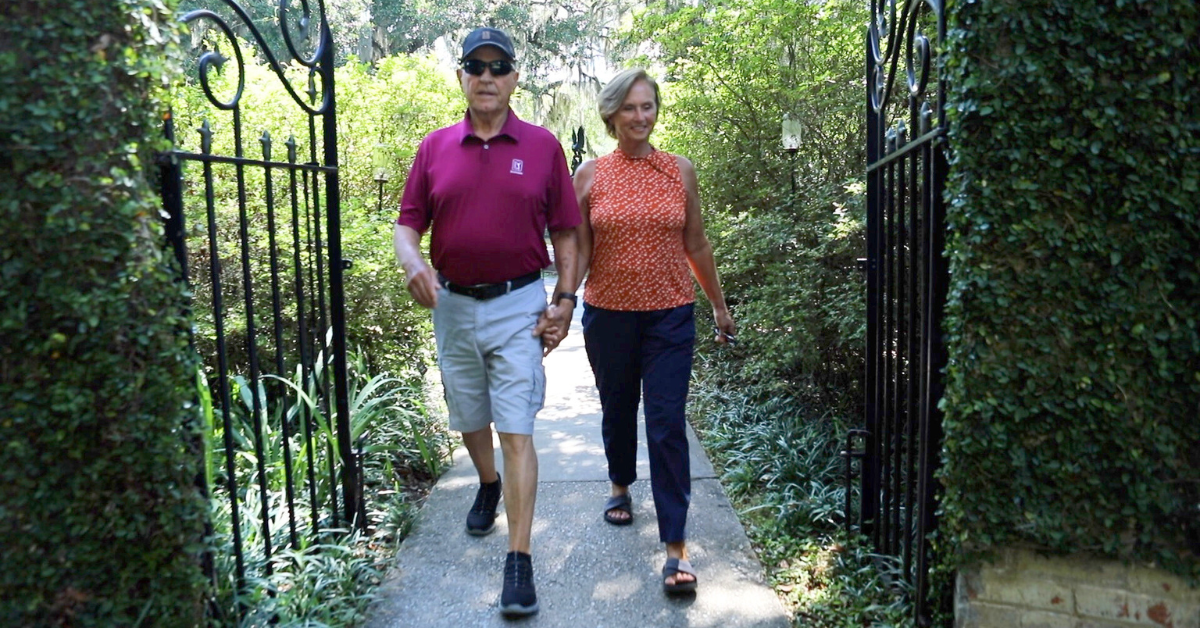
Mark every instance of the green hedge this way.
pixel 101 521
pixel 1071 403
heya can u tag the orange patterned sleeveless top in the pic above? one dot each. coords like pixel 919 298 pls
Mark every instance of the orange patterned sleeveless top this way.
pixel 638 208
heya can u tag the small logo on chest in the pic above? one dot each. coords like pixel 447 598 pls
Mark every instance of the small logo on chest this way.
pixel 518 167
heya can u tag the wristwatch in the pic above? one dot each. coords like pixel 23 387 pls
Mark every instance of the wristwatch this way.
pixel 567 295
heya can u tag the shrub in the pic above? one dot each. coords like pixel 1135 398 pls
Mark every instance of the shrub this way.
pixel 102 522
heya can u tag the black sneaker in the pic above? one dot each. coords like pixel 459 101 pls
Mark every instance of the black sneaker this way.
pixel 482 518
pixel 519 597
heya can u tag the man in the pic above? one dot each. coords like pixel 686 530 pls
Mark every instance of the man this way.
pixel 489 187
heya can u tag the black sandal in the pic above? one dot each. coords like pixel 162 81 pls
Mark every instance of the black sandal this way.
pixel 623 503
pixel 674 567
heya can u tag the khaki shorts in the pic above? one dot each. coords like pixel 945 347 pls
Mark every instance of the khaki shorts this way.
pixel 491 362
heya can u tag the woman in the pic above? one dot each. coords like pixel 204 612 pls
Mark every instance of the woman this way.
pixel 641 232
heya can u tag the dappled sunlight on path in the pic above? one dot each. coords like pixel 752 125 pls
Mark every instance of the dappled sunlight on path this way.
pixel 588 573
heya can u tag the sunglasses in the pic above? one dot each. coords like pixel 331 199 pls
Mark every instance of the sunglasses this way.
pixel 475 67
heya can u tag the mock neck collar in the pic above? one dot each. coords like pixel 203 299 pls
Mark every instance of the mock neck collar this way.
pixel 624 155
pixel 511 127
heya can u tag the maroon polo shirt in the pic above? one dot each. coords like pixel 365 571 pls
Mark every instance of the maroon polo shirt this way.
pixel 489 202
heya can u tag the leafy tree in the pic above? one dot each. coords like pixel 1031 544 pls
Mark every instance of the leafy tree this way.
pixel 349 23
pixel 787 258
pixel 563 47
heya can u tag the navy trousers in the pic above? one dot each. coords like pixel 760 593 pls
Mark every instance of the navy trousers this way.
pixel 646 355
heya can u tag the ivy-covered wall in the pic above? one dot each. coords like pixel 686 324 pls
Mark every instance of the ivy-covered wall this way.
pixel 1072 403
pixel 100 520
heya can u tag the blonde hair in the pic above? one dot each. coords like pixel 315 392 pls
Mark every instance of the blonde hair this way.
pixel 613 95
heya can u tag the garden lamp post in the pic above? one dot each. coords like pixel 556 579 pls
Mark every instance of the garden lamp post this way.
pixel 791 143
pixel 381 174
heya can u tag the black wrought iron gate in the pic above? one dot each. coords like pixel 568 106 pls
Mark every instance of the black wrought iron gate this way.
pixel 906 286
pixel 259 242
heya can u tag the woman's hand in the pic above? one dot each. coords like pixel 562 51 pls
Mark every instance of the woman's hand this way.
pixel 551 328
pixel 726 329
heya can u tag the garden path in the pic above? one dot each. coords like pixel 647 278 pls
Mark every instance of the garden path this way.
pixel 589 574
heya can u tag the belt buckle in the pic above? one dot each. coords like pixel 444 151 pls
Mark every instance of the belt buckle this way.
pixel 479 291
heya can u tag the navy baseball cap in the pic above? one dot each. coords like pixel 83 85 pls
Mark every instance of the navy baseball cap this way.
pixel 488 36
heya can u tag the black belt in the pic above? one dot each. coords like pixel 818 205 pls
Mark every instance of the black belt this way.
pixel 485 291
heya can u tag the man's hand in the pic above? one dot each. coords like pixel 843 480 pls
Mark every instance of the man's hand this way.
pixel 421 280
pixel 422 284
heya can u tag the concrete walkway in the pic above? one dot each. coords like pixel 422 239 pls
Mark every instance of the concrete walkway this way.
pixel 589 574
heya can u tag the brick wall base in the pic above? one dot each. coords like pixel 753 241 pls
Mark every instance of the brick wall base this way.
pixel 1023 589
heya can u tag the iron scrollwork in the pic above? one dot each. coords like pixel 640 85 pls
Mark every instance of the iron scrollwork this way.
pixel 893 30
pixel 316 64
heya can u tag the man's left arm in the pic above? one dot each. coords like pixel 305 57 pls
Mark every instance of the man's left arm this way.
pixel 553 324
pixel 562 218
pixel 566 254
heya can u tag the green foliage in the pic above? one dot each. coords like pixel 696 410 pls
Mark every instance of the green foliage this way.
pixel 726 95
pixel 383 112
pixel 781 468
pixel 326 584
pixel 771 447
pixel 102 523
pixel 1073 320
pixel 326 575
pixel 799 299
pixel 786 259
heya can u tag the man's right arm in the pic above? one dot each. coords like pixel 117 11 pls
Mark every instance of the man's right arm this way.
pixel 420 278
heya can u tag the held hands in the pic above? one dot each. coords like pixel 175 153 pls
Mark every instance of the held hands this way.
pixel 553 324
pixel 422 283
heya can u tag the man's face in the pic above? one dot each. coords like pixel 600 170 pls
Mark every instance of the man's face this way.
pixel 487 93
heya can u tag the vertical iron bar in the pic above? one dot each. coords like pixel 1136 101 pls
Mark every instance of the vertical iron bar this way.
pixel 869 491
pixel 170 175
pixel 887 436
pixel 218 305
pixel 911 408
pixel 319 249
pixel 898 387
pixel 251 341
pixel 937 290
pixel 337 302
pixel 303 332
pixel 935 350
pixel 280 370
